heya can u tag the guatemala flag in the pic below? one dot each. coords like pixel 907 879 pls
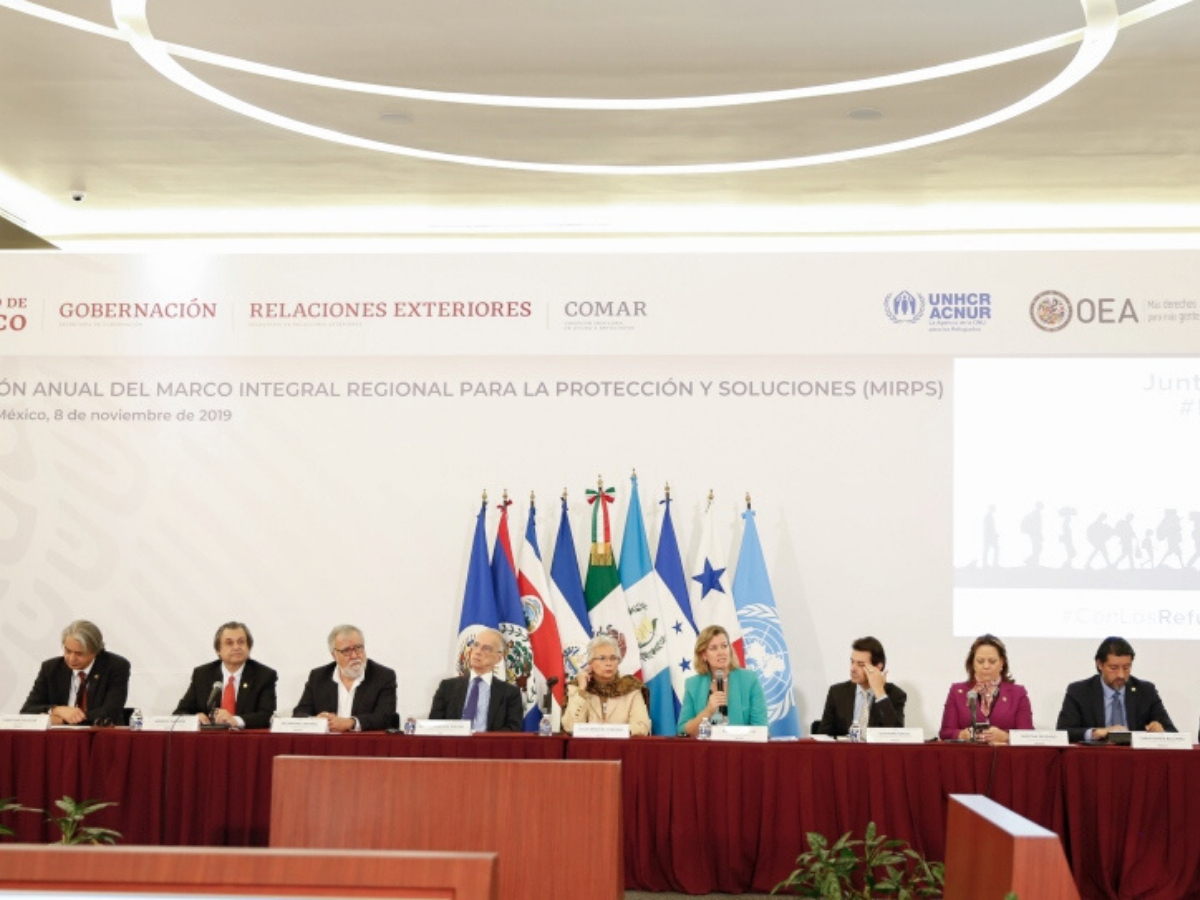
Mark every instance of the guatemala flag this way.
pixel 640 585
pixel 673 600
pixel 479 599
pixel 766 650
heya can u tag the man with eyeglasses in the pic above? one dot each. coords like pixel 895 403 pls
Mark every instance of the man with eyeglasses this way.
pixel 352 692
pixel 490 703
pixel 241 690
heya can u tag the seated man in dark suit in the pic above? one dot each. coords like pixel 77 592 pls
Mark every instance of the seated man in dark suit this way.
pixel 866 698
pixel 241 690
pixel 352 692
pixel 491 704
pixel 1112 699
pixel 87 685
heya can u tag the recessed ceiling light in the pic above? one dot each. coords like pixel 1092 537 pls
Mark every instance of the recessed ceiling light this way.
pixel 865 113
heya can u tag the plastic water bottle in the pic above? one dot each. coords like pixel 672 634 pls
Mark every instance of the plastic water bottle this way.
pixel 410 725
pixel 705 733
pixel 136 720
pixel 856 734
pixel 545 727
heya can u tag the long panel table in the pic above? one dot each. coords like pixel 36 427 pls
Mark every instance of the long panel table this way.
pixel 698 818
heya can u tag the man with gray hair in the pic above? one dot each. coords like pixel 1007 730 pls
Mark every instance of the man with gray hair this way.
pixel 352 692
pixel 87 685
pixel 490 703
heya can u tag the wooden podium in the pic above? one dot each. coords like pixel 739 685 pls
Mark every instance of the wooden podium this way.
pixel 182 871
pixel 555 824
pixel 990 851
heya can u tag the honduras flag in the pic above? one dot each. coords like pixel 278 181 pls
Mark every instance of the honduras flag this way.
pixel 673 599
pixel 479 599
pixel 567 599
pixel 640 585
pixel 766 650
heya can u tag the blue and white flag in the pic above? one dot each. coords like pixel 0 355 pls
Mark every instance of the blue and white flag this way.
pixel 673 599
pixel 766 650
pixel 479 598
pixel 711 600
pixel 567 599
pixel 640 585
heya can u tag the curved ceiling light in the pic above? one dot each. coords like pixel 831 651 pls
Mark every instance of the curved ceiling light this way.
pixel 1099 35
pixel 914 76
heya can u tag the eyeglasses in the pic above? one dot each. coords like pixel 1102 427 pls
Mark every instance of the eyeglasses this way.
pixel 349 651
pixel 606 659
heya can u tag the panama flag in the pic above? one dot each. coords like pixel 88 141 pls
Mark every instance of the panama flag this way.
pixel 479 599
pixel 605 599
pixel 567 600
pixel 640 586
pixel 712 603
pixel 542 623
pixel 673 600
pixel 766 650
pixel 518 655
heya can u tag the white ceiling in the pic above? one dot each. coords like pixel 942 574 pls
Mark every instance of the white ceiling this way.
pixel 84 111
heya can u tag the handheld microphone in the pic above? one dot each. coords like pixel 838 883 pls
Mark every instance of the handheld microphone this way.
pixel 972 700
pixel 719 680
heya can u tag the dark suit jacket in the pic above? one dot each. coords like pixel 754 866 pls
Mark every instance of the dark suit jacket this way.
pixel 374 700
pixel 504 710
pixel 107 687
pixel 256 692
pixel 1083 707
pixel 839 709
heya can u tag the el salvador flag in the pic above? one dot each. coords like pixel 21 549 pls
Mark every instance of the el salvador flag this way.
pixel 766 650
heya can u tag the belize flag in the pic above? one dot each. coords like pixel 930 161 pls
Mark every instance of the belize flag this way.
pixel 518 654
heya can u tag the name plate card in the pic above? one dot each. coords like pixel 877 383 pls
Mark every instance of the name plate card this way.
pixel 16 722
pixel 1037 738
pixel 299 725
pixel 444 727
pixel 894 735
pixel 745 734
pixel 1151 740
pixel 180 723
pixel 601 730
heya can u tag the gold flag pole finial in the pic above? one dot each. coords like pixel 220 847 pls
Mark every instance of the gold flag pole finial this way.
pixel 600 482
pixel 531 503
pixel 564 493
pixel 634 474
pixel 504 497
pixel 667 490
pixel 485 495
pixel 747 499
pixel 710 495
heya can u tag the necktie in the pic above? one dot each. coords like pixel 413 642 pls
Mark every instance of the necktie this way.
pixel 1116 711
pixel 864 714
pixel 81 693
pixel 472 703
pixel 229 698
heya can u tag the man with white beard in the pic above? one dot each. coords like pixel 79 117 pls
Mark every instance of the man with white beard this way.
pixel 352 692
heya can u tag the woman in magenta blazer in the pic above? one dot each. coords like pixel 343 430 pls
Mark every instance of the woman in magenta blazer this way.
pixel 1001 702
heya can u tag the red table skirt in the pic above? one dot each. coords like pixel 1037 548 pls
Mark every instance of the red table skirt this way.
pixel 698 818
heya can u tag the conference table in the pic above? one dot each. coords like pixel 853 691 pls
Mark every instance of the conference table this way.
pixel 698 817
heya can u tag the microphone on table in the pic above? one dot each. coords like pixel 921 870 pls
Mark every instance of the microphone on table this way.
pixel 972 700
pixel 719 680
pixel 211 705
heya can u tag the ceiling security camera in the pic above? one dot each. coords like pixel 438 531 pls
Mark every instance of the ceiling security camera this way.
pixel 78 196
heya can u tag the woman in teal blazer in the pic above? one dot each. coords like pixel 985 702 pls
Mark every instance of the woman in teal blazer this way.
pixel 743 693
